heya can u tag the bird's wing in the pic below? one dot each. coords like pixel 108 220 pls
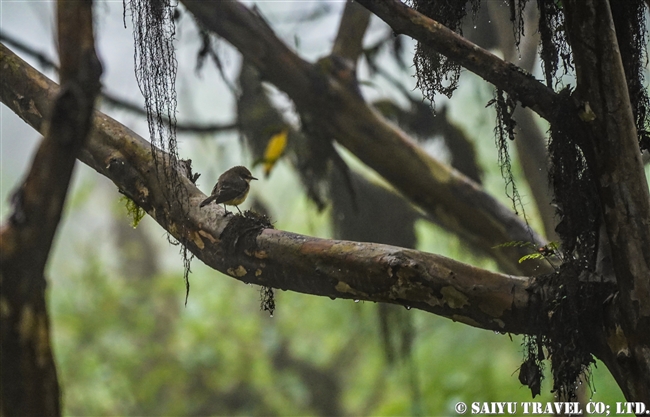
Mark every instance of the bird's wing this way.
pixel 227 192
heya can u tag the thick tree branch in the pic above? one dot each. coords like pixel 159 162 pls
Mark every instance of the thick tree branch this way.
pixel 518 83
pixel 28 377
pixel 338 269
pixel 330 106
pixel 613 144
pixel 612 151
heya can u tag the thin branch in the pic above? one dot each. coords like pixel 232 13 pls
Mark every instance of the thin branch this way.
pixel 246 250
pixel 518 83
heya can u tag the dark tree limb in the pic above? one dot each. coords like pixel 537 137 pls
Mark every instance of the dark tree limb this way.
pixel 28 377
pixel 349 38
pixel 242 249
pixel 331 107
pixel 508 77
pixel 612 152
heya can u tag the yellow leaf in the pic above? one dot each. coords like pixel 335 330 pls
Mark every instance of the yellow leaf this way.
pixel 274 150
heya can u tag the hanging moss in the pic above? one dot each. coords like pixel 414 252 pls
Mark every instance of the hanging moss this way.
pixel 576 196
pixel 155 69
pixel 554 45
pixel 134 211
pixel 632 35
pixel 517 8
pixel 505 132
pixel 570 299
pixel 436 73
pixel 154 32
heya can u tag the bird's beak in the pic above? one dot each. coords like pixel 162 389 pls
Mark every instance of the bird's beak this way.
pixel 252 178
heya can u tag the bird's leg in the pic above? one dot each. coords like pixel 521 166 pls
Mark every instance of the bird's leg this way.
pixel 237 207
pixel 226 210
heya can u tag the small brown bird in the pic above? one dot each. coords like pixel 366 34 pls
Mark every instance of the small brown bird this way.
pixel 231 189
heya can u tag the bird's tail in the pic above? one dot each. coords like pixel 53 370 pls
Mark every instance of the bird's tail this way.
pixel 208 200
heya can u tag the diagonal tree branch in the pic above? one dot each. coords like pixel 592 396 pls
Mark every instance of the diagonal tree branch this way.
pixel 28 378
pixel 330 106
pixel 506 76
pixel 250 252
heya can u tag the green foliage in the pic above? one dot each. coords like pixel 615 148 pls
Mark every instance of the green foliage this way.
pixel 516 244
pixel 135 212
pixel 541 252
pixel 531 256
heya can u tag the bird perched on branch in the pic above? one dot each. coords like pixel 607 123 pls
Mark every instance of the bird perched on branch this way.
pixel 231 189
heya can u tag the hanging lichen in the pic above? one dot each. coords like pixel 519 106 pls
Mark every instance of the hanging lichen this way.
pixel 554 45
pixel 632 36
pixel 504 133
pixel 576 197
pixel 435 72
pixel 155 70
pixel 570 299
pixel 154 32
pixel 133 210
pixel 517 18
